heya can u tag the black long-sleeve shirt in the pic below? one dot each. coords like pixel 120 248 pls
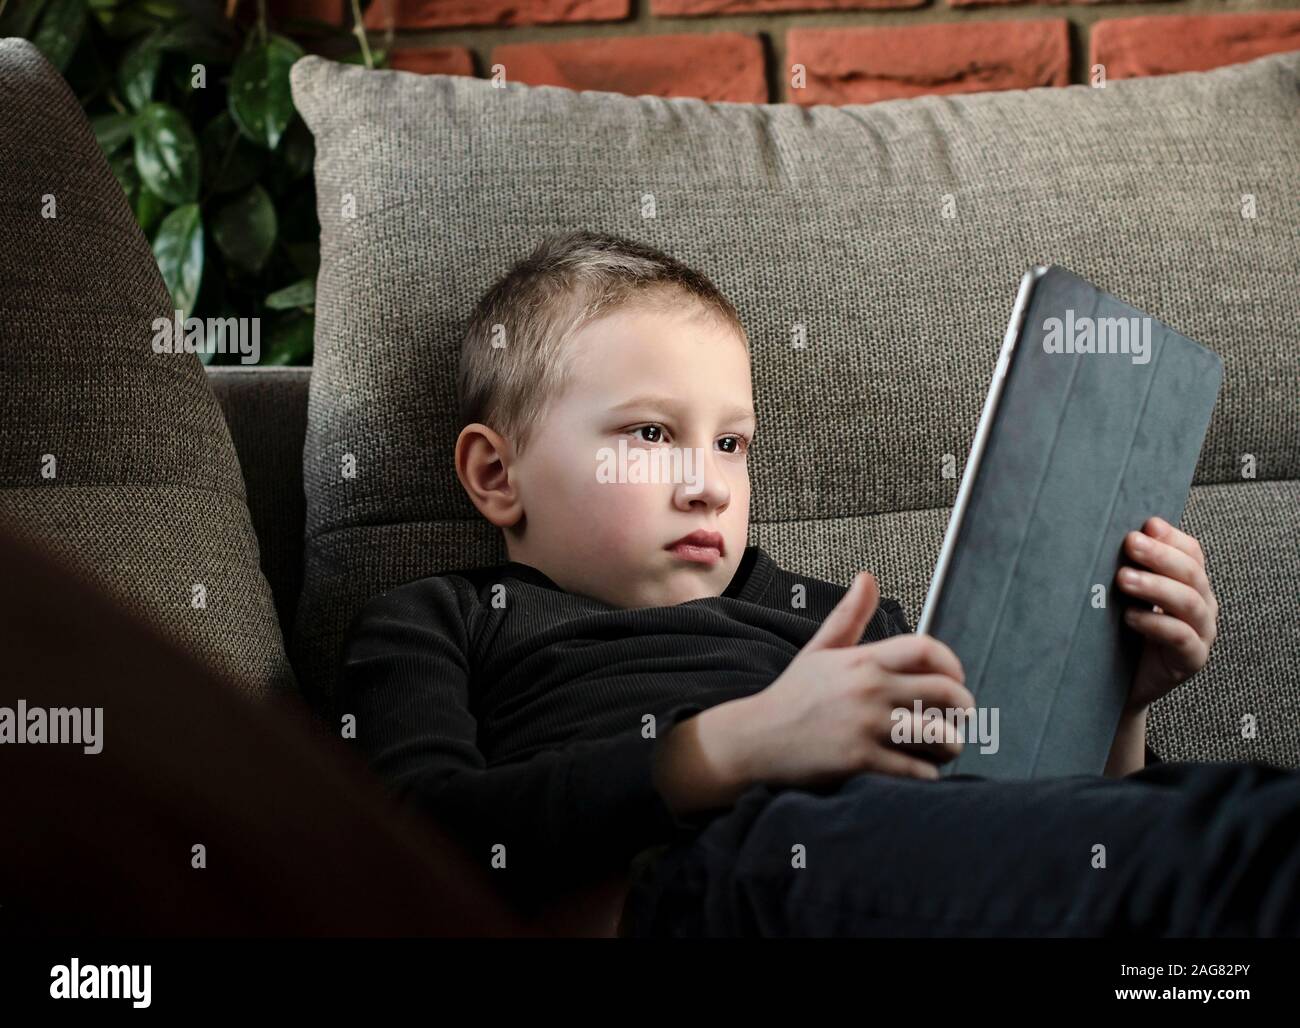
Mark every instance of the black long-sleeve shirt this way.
pixel 520 715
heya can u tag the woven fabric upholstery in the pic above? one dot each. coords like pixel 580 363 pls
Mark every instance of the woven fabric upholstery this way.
pixel 147 499
pixel 893 236
pixel 266 409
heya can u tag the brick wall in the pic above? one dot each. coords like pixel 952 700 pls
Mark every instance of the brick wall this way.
pixel 815 51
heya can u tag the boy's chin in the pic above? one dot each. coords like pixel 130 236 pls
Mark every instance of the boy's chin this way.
pixel 685 582
pixel 672 599
pixel 660 581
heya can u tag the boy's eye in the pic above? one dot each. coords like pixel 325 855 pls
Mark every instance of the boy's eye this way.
pixel 735 444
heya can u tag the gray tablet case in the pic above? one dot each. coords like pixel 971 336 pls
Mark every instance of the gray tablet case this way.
pixel 1074 449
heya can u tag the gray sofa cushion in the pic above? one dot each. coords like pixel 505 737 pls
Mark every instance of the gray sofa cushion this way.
pixel 146 497
pixel 895 233
pixel 266 410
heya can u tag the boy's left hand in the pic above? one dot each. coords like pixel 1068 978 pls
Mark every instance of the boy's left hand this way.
pixel 1170 575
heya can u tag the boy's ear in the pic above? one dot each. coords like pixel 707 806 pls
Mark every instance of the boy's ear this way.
pixel 483 467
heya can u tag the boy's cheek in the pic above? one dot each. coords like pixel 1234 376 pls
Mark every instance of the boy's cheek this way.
pixel 620 515
pixel 571 486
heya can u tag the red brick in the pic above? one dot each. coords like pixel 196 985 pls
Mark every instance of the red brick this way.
pixel 1129 47
pixel 1007 3
pixel 329 11
pixel 441 14
pixel 862 65
pixel 687 8
pixel 433 60
pixel 711 66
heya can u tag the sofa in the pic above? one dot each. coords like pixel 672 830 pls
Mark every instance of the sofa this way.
pixel 873 252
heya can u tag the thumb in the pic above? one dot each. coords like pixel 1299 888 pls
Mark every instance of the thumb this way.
pixel 845 624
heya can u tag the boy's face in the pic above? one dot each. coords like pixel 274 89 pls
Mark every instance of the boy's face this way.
pixel 647 443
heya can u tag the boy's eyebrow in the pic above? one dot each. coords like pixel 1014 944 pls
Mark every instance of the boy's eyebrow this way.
pixel 673 406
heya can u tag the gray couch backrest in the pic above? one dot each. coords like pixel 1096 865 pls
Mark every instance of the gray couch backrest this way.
pixel 1175 193
pixel 266 409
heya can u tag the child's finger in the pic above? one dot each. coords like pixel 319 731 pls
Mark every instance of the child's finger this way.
pixel 1164 531
pixel 916 654
pixel 844 625
pixel 895 762
pixel 940 749
pixel 1175 598
pixel 1191 649
pixel 1167 559
pixel 933 690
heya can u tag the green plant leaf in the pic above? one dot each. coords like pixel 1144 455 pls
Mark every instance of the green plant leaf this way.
pixel 291 340
pixel 60 30
pixel 149 209
pixel 19 18
pixel 205 44
pixel 180 80
pixel 112 130
pixel 178 249
pixel 297 150
pixel 301 294
pixel 244 229
pixel 166 10
pixel 214 296
pixel 138 71
pixel 122 19
pixel 260 100
pixel 357 57
pixel 167 154
pixel 230 161
pixel 123 166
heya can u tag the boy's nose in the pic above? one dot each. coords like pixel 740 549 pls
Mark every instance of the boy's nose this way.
pixel 702 484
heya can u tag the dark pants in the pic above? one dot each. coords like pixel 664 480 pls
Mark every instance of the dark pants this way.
pixel 1175 849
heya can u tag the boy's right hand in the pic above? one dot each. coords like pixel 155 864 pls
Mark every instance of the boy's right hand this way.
pixel 828 716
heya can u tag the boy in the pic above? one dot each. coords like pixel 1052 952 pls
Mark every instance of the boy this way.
pixel 637 686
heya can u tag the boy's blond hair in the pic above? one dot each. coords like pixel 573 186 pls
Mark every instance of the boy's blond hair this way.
pixel 515 356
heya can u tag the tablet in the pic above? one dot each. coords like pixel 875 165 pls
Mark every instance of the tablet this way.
pixel 1094 422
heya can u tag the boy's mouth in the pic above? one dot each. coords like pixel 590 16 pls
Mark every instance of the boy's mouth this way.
pixel 699 546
